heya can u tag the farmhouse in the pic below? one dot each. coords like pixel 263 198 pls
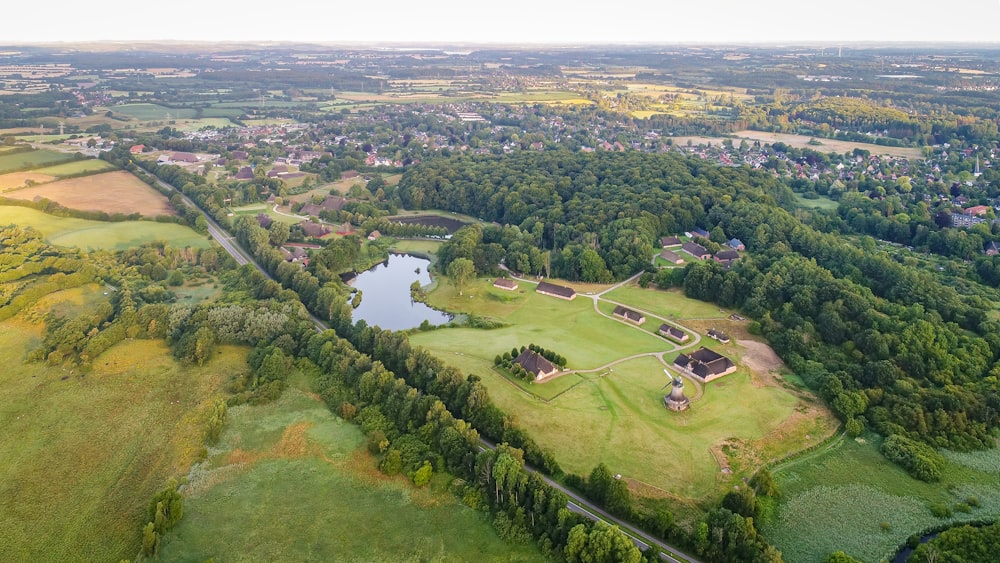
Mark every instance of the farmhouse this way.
pixel 313 229
pixel 726 256
pixel 629 315
pixel 718 335
pixel 673 333
pixel 333 203
pixel 535 364
pixel 671 257
pixel 505 283
pixel 696 250
pixel 705 364
pixel 546 288
pixel 667 242
pixel 136 149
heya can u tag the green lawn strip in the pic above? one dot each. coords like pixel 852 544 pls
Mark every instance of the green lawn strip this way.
pixel 84 454
pixel 670 304
pixel 324 502
pixel 87 234
pixel 843 494
pixel 30 160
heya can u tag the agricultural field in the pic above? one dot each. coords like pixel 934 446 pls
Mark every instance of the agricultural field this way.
pixel 16 180
pixel 76 167
pixel 83 454
pixel 826 145
pixel 89 235
pixel 312 492
pixel 737 422
pixel 12 162
pixel 149 112
pixel 848 497
pixel 113 192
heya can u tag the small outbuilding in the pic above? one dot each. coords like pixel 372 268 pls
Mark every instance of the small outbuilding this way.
pixel 505 283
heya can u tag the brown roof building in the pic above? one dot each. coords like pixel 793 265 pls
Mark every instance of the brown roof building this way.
pixel 672 257
pixel 630 315
pixel 667 242
pixel 673 333
pixel 705 364
pixel 546 288
pixel 505 283
pixel 535 364
pixel 696 250
pixel 313 229
pixel 718 335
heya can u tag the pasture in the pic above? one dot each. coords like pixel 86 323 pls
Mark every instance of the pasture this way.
pixel 113 192
pixel 84 454
pixel 302 476
pixel 838 498
pixel 89 235
pixel 149 112
pixel 12 162
pixel 76 167
pixel 739 421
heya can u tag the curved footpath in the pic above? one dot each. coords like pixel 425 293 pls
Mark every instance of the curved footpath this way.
pixel 576 503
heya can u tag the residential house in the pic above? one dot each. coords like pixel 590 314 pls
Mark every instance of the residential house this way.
pixel 629 315
pixel 726 256
pixel 551 289
pixel 374 235
pixel 696 250
pixel 673 333
pixel 704 364
pixel 239 155
pixel 314 229
pixel 245 173
pixel 136 149
pixel 535 364
pixel 977 210
pixel 718 335
pixel 737 244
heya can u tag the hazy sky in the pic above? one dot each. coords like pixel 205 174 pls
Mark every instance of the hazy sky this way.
pixel 507 21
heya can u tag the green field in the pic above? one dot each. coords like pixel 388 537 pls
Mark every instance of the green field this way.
pixel 839 498
pixel 82 455
pixel 150 112
pixel 31 159
pixel 301 478
pixel 421 247
pixel 670 304
pixel 86 234
pixel 258 208
pixel 821 203
pixel 76 167
pixel 618 411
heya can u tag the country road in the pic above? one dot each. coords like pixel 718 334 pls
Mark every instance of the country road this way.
pixel 577 503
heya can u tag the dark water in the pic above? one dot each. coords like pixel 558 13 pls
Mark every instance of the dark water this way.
pixel 385 299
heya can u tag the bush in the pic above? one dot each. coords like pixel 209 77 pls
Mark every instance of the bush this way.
pixel 918 459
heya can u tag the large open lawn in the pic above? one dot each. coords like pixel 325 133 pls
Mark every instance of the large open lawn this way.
pixel 839 497
pixel 301 477
pixel 113 192
pixel 11 162
pixel 82 455
pixel 267 209
pixel 739 421
pixel 70 231
pixel 822 203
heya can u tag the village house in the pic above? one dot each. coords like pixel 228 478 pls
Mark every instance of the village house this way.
pixel 535 364
pixel 704 364
pixel 668 242
pixel 737 244
pixel 718 335
pixel 551 289
pixel 977 210
pixel 673 333
pixel 696 250
pixel 505 283
pixel 726 256
pixel 245 173
pixel 136 149
pixel 314 229
pixel 629 315
pixel 672 257
pixel 374 235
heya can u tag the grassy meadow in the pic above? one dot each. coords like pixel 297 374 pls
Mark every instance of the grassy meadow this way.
pixel 77 167
pixel 301 476
pixel 150 112
pixel 822 203
pixel 849 497
pixel 740 421
pixel 83 233
pixel 83 454
pixel 11 162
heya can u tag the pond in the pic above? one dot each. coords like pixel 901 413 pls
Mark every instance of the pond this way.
pixel 385 294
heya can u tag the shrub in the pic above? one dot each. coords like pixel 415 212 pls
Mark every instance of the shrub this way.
pixel 918 459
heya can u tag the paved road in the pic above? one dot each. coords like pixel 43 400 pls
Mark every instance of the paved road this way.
pixel 577 503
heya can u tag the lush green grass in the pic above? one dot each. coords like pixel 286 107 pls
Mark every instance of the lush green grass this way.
pixel 670 304
pixel 257 209
pixel 31 159
pixel 150 112
pixel 839 498
pixel 298 476
pixel 77 167
pixel 82 455
pixel 70 231
pixel 424 247
pixel 822 203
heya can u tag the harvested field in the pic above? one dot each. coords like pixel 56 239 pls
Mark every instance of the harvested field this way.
pixel 113 192
pixel 826 145
pixel 19 179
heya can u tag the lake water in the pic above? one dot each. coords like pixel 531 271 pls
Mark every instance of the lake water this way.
pixel 385 294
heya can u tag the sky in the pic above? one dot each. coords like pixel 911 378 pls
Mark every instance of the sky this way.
pixel 506 21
